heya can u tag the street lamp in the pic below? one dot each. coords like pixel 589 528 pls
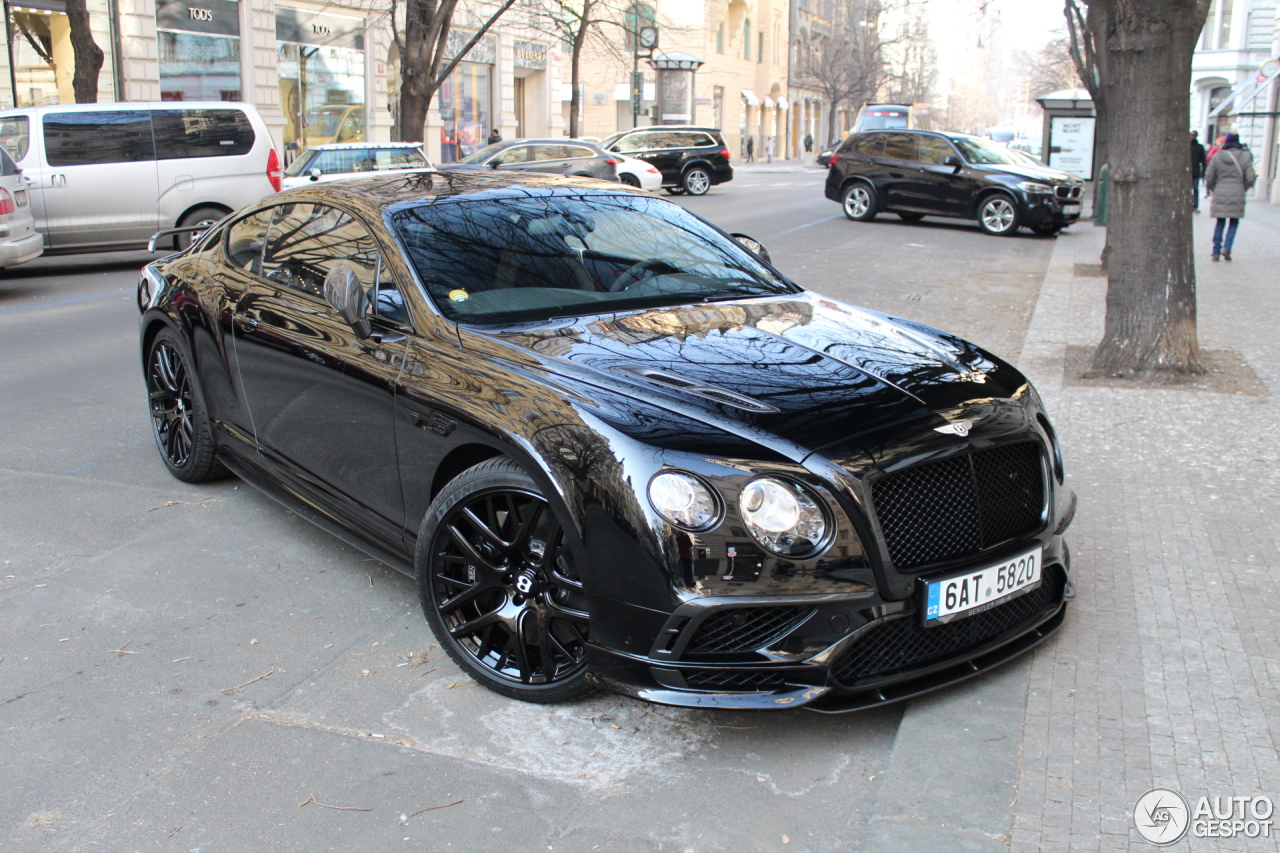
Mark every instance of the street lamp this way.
pixel 644 39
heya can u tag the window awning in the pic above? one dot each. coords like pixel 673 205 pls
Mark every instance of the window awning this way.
pixel 783 105
pixel 768 102
pixel 750 97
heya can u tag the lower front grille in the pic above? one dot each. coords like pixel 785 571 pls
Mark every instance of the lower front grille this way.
pixel 745 629
pixel 900 644
pixel 734 681
pixel 956 507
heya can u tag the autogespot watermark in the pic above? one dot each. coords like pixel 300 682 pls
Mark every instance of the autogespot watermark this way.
pixel 1163 816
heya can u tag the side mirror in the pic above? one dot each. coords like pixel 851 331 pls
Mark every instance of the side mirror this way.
pixel 315 173
pixel 616 149
pixel 754 245
pixel 342 290
pixel 495 162
pixel 952 160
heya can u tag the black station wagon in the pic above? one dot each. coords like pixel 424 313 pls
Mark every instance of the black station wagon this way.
pixel 614 446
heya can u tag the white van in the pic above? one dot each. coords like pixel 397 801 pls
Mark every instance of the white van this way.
pixel 108 176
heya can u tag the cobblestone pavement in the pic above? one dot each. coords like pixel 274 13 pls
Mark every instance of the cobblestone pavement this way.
pixel 1166 671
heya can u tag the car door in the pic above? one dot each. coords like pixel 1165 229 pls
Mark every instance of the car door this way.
pixel 942 188
pixel 513 159
pixel 321 399
pixel 99 185
pixel 899 185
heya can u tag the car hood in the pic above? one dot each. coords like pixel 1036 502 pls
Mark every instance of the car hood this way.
pixel 1037 173
pixel 804 370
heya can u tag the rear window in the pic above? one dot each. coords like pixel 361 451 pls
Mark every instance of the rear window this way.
pixel 88 138
pixel 15 135
pixel 201 133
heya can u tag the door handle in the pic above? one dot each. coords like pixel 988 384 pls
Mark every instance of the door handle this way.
pixel 246 322
pixel 434 422
pixel 57 180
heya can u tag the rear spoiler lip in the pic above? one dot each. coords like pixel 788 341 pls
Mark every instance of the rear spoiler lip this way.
pixel 190 229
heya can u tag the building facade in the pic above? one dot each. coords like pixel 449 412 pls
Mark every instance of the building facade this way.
pixel 1239 37
pixel 318 72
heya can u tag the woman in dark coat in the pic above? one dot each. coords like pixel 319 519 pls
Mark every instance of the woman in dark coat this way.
pixel 1229 177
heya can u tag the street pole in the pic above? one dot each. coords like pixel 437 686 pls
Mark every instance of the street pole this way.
pixel 8 43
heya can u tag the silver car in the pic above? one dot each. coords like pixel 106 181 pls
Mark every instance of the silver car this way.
pixel 19 239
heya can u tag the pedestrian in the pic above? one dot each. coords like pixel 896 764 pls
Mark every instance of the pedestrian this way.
pixel 1198 163
pixel 808 143
pixel 751 148
pixel 495 137
pixel 1214 148
pixel 768 150
pixel 1230 175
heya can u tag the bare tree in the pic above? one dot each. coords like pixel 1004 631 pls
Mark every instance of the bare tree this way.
pixel 847 67
pixel 423 44
pixel 1052 68
pixel 575 22
pixel 88 56
pixel 1135 57
pixel 911 66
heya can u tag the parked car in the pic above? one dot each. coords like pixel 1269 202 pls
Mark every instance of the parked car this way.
pixel 921 173
pixel 691 159
pixel 614 445
pixel 824 158
pixel 558 156
pixel 635 172
pixel 108 176
pixel 889 116
pixel 345 159
pixel 19 240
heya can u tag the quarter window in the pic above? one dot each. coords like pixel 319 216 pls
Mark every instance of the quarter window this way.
pixel 872 146
pixel 540 153
pixel 201 133
pixel 245 240
pixel 15 135
pixel 110 136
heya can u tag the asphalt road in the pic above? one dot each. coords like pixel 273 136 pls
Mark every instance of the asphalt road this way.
pixel 194 668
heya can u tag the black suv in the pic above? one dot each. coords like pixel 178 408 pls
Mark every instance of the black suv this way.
pixel 691 159
pixel 917 173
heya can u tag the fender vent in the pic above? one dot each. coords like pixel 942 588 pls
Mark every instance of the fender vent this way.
pixel 701 389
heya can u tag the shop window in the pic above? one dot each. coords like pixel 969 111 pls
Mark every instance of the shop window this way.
pixel 199 48
pixel 43 59
pixel 465 101
pixel 321 72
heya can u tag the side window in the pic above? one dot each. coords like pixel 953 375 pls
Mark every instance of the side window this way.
pixel 398 158
pixel 388 302
pixel 934 150
pixel 635 142
pixel 538 153
pixel 578 151
pixel 15 135
pixel 518 154
pixel 201 133
pixel 246 238
pixel 871 145
pixel 900 146
pixel 110 136
pixel 306 240
pixel 340 160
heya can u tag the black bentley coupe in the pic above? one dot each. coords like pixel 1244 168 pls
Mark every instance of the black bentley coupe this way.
pixel 613 444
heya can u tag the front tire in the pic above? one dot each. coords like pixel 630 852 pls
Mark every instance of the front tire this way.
pixel 179 419
pixel 998 215
pixel 859 202
pixel 499 587
pixel 1046 230
pixel 696 181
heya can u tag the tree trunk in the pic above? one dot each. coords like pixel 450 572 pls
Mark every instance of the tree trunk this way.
pixel 579 39
pixel 1151 291
pixel 88 56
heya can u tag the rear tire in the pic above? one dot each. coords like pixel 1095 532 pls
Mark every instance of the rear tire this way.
pixel 206 216
pixel 179 419
pixel 696 181
pixel 628 179
pixel 859 202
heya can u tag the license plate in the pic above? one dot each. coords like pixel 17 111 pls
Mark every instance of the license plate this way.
pixel 1071 207
pixel 19 197
pixel 973 592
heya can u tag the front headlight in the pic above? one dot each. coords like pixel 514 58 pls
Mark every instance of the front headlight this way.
pixel 783 517
pixel 1034 188
pixel 684 501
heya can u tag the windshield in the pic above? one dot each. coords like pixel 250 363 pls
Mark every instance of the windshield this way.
pixel 610 140
pixel 324 122
pixel 483 154
pixel 524 255
pixel 295 168
pixel 986 152
pixel 881 120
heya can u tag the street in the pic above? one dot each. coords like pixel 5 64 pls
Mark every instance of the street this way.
pixel 138 613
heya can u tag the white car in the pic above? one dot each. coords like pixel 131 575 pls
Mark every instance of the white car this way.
pixel 19 239
pixel 339 160
pixel 637 173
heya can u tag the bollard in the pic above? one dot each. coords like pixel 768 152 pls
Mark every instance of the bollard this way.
pixel 1100 195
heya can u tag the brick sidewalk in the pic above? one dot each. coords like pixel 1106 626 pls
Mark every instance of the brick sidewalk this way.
pixel 1166 671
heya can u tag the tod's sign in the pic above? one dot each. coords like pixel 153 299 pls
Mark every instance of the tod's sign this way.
pixel 211 17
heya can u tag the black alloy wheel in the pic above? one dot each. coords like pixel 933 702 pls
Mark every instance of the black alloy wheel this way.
pixel 629 179
pixel 859 202
pixel 201 217
pixel 911 217
pixel 499 586
pixel 998 215
pixel 179 421
pixel 696 181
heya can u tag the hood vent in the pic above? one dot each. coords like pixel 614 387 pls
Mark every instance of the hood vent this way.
pixel 701 389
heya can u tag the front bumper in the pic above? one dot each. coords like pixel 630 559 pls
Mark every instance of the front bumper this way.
pixel 1045 210
pixel 882 653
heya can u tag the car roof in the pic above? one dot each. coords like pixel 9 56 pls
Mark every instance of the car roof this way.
pixel 135 105
pixel 562 140
pixel 339 146
pixel 703 128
